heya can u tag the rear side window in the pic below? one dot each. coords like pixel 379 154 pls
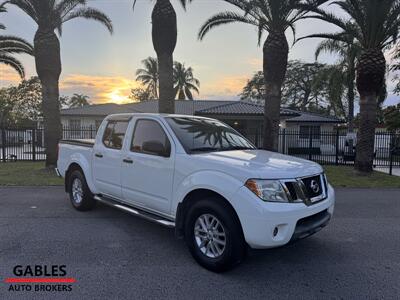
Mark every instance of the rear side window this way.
pixel 149 132
pixel 114 134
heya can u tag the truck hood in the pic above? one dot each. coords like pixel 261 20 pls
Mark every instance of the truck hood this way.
pixel 260 164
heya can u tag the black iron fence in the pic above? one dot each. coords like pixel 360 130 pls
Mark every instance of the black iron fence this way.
pixel 27 144
pixel 334 147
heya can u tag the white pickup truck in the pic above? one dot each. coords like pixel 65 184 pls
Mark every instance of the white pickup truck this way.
pixel 201 177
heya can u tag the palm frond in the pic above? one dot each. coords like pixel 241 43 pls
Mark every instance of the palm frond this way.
pixel 224 18
pixel 13 63
pixel 13 44
pixel 90 13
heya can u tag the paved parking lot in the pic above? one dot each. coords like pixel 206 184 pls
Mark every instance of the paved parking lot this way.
pixel 113 255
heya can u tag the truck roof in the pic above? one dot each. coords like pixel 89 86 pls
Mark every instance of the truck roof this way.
pixel 128 116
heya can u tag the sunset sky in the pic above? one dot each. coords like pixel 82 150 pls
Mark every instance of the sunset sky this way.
pixel 103 66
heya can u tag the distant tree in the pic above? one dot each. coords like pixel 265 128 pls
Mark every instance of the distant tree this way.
pixel 22 102
pixel 184 82
pixel 148 76
pixel 254 89
pixel 391 117
pixel 310 87
pixel 78 100
pixel 303 85
pixel 344 71
pixel 63 100
pixel 140 95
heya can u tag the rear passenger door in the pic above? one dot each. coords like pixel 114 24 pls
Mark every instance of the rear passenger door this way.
pixel 107 158
pixel 147 175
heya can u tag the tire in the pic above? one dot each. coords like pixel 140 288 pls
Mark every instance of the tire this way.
pixel 209 252
pixel 79 192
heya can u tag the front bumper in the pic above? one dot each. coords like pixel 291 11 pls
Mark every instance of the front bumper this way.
pixel 268 225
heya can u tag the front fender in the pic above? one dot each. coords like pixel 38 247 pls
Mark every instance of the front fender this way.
pixel 218 182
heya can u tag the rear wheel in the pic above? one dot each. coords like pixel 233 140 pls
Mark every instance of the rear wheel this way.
pixel 79 192
pixel 214 235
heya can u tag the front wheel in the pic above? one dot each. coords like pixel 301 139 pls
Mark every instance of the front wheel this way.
pixel 79 192
pixel 214 235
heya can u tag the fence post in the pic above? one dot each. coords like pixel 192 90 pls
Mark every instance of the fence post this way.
pixel 256 138
pixel 284 141
pixel 337 147
pixel 309 143
pixel 34 144
pixel 391 149
pixel 3 143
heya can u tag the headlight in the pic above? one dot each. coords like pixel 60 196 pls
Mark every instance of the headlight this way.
pixel 267 190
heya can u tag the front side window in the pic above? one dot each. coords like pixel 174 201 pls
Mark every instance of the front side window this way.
pixel 114 134
pixel 207 135
pixel 150 138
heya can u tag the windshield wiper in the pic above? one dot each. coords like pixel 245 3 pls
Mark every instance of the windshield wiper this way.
pixel 238 148
pixel 205 149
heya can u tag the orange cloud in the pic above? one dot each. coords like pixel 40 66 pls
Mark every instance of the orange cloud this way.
pixel 8 76
pixel 256 62
pixel 101 89
pixel 227 87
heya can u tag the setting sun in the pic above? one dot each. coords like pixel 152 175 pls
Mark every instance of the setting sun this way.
pixel 116 97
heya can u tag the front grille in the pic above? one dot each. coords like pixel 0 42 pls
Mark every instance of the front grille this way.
pixel 313 186
pixel 307 189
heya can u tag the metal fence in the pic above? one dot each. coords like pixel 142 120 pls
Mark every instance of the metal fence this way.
pixel 27 144
pixel 326 147
pixel 335 147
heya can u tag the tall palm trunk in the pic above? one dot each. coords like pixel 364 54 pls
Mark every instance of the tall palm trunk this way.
pixel 350 90
pixel 164 33
pixel 275 52
pixel 370 77
pixel 48 67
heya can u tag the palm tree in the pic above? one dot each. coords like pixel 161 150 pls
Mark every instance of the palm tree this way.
pixel 348 50
pixel 273 17
pixel 396 67
pixel 149 76
pixel 164 34
pixel 50 15
pixel 374 25
pixel 184 82
pixel 78 100
pixel 13 45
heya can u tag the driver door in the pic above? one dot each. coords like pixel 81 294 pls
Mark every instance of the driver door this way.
pixel 146 176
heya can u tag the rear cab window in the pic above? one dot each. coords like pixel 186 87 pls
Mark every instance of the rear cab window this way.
pixel 114 134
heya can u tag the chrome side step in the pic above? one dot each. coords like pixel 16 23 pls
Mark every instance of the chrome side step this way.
pixel 137 212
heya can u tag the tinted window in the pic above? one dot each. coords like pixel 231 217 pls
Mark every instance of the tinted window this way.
pixel 114 134
pixel 149 132
pixel 202 135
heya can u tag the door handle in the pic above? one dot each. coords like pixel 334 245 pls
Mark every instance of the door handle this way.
pixel 99 155
pixel 128 160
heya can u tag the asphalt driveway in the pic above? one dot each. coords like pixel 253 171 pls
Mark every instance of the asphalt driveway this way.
pixel 113 255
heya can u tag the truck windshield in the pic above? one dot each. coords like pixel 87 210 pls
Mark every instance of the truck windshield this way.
pixel 206 135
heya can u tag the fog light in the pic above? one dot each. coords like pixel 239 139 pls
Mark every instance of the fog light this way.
pixel 275 231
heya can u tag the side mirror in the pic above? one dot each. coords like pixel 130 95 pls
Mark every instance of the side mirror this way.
pixel 156 148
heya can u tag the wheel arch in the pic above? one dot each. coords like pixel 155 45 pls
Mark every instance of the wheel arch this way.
pixel 193 197
pixel 72 167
